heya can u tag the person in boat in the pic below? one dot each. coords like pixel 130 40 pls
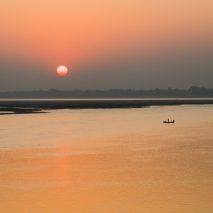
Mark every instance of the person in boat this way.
pixel 169 122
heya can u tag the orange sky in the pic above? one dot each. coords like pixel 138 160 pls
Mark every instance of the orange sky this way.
pixel 71 31
pixel 78 33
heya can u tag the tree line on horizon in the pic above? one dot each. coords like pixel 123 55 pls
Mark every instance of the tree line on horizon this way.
pixel 192 92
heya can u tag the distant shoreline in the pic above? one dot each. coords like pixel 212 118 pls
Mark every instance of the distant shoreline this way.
pixel 192 92
pixel 39 106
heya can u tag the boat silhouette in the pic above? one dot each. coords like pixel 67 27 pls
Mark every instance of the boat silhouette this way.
pixel 169 122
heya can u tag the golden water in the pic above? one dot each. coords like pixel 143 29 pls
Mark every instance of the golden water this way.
pixel 108 161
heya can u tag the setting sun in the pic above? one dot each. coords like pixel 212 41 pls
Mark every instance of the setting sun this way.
pixel 62 70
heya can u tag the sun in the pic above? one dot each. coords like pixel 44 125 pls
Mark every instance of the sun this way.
pixel 62 70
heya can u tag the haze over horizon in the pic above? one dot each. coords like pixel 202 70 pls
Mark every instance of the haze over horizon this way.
pixel 106 45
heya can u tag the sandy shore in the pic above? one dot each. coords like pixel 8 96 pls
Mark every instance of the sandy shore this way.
pixel 39 106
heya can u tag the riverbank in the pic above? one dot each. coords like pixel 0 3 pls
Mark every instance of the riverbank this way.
pixel 39 106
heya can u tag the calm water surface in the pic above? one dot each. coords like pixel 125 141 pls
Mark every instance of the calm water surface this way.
pixel 117 160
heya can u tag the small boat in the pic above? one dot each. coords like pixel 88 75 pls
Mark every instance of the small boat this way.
pixel 169 122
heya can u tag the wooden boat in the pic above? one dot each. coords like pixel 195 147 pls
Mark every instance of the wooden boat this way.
pixel 169 122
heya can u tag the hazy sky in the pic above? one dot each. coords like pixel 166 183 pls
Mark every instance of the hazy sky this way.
pixel 106 44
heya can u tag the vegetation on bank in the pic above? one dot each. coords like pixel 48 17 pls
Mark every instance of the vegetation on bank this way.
pixel 192 92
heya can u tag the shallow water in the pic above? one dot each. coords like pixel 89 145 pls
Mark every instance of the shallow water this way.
pixel 116 160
